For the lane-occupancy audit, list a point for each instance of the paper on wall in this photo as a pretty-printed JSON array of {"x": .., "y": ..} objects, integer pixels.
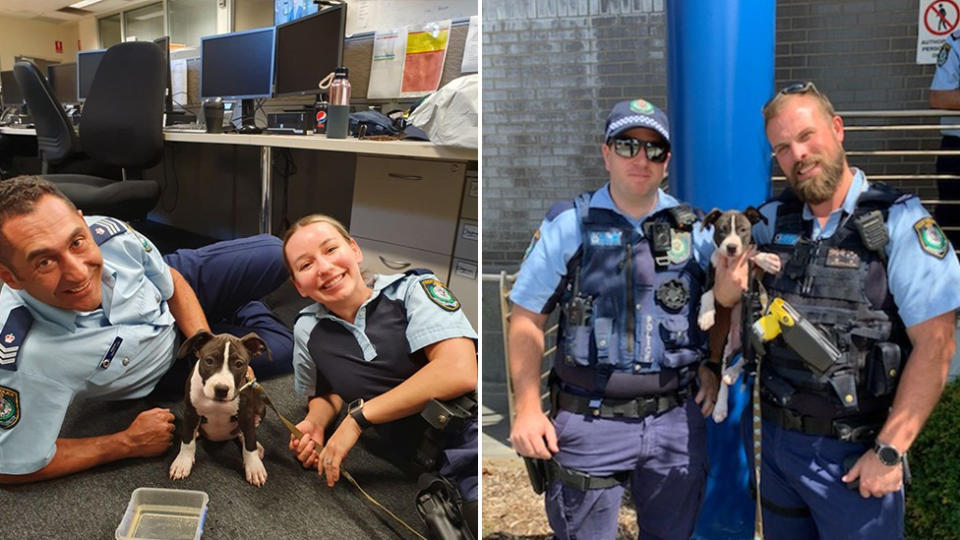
[
  {"x": 178, "y": 81},
  {"x": 426, "y": 51},
  {"x": 471, "y": 48},
  {"x": 386, "y": 68}
]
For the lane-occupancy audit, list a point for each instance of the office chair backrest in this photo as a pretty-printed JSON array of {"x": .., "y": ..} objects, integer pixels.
[
  {"x": 56, "y": 138},
  {"x": 122, "y": 122}
]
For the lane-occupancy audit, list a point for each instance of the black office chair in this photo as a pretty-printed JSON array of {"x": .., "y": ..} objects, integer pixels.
[
  {"x": 121, "y": 125},
  {"x": 56, "y": 139}
]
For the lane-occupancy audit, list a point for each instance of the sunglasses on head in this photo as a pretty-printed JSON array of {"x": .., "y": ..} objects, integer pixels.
[
  {"x": 628, "y": 147},
  {"x": 795, "y": 88}
]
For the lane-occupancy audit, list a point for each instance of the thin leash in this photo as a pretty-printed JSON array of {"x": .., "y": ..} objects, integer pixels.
[{"x": 299, "y": 435}]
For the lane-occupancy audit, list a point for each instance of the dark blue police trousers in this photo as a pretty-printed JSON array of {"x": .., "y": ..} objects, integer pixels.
[
  {"x": 666, "y": 455},
  {"x": 804, "y": 497},
  {"x": 229, "y": 278}
]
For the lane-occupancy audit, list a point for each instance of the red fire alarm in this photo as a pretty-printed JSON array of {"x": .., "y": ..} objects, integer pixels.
[{"x": 58, "y": 45}]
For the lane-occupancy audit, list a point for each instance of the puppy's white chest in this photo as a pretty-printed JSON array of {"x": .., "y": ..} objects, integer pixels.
[{"x": 219, "y": 421}]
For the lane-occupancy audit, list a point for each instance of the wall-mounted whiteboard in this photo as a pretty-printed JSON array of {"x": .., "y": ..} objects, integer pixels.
[{"x": 373, "y": 15}]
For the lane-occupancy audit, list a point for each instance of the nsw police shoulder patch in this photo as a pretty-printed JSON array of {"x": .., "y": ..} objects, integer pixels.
[
  {"x": 440, "y": 295},
  {"x": 943, "y": 54},
  {"x": 931, "y": 237},
  {"x": 9, "y": 407}
]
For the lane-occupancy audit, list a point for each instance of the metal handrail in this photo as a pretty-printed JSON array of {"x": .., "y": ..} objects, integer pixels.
[{"x": 505, "y": 282}]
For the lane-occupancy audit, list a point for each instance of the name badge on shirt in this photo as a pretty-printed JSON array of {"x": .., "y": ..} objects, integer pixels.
[
  {"x": 606, "y": 238},
  {"x": 842, "y": 258},
  {"x": 111, "y": 352},
  {"x": 786, "y": 239}
]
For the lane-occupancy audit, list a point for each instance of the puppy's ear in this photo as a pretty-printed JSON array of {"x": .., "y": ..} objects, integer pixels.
[
  {"x": 194, "y": 344},
  {"x": 755, "y": 216},
  {"x": 710, "y": 218},
  {"x": 256, "y": 346}
]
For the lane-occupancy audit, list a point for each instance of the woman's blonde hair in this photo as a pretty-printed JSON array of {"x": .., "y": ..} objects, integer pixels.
[{"x": 309, "y": 220}]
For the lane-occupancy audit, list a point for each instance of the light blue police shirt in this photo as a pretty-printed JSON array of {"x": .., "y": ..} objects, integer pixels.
[
  {"x": 947, "y": 75},
  {"x": 427, "y": 323},
  {"x": 118, "y": 351},
  {"x": 922, "y": 284},
  {"x": 545, "y": 264}
]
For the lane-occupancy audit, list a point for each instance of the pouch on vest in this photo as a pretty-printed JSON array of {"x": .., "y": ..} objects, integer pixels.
[
  {"x": 675, "y": 334},
  {"x": 605, "y": 340},
  {"x": 883, "y": 369}
]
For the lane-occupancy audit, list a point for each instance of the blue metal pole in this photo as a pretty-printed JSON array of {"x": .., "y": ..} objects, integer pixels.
[
  {"x": 719, "y": 75},
  {"x": 720, "y": 60}
]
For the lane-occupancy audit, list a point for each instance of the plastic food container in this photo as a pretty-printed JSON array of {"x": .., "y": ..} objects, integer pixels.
[{"x": 164, "y": 514}]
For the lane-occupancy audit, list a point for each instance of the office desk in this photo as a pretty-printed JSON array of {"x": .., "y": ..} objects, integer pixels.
[
  {"x": 6, "y": 130},
  {"x": 266, "y": 142},
  {"x": 395, "y": 213}
]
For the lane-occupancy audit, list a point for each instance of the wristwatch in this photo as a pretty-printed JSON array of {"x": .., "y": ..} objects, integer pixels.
[
  {"x": 355, "y": 409},
  {"x": 887, "y": 454}
]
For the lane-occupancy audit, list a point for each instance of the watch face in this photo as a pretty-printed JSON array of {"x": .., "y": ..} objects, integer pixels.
[{"x": 888, "y": 455}]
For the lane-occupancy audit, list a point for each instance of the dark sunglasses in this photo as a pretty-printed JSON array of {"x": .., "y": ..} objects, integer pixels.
[
  {"x": 795, "y": 88},
  {"x": 628, "y": 147}
]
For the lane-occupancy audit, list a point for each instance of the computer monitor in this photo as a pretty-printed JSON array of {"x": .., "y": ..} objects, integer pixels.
[
  {"x": 63, "y": 81},
  {"x": 164, "y": 43},
  {"x": 238, "y": 66},
  {"x": 87, "y": 64},
  {"x": 9, "y": 90},
  {"x": 308, "y": 49}
]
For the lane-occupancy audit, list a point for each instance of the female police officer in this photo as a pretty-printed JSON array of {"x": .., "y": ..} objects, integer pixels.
[{"x": 387, "y": 347}]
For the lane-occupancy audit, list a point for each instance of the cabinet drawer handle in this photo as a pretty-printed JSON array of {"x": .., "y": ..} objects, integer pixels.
[
  {"x": 393, "y": 264},
  {"x": 405, "y": 176}
]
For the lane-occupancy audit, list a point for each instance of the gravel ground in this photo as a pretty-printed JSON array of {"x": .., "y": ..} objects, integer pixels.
[{"x": 512, "y": 511}]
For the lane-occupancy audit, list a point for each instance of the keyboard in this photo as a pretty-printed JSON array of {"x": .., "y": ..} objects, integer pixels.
[{"x": 186, "y": 128}]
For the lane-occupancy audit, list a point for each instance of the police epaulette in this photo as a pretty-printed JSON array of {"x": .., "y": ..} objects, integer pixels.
[
  {"x": 14, "y": 331},
  {"x": 558, "y": 208},
  {"x": 106, "y": 229},
  {"x": 418, "y": 272}
]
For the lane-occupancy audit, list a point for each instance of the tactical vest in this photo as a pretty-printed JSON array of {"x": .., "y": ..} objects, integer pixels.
[
  {"x": 631, "y": 302},
  {"x": 840, "y": 285}
]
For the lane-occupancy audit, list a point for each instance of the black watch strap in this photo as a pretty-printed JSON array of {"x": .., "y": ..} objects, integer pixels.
[{"x": 356, "y": 411}]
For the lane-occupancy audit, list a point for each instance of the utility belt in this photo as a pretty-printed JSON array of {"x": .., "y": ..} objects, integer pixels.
[
  {"x": 639, "y": 407},
  {"x": 544, "y": 471},
  {"x": 848, "y": 428},
  {"x": 443, "y": 418}
]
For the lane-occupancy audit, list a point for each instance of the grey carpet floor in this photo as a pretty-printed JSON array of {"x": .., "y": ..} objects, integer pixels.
[{"x": 294, "y": 503}]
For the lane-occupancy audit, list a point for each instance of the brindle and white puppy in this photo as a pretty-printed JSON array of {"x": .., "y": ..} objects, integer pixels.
[
  {"x": 732, "y": 236},
  {"x": 212, "y": 405}
]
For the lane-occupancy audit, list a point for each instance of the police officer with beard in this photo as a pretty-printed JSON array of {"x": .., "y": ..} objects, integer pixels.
[
  {"x": 873, "y": 272},
  {"x": 625, "y": 265}
]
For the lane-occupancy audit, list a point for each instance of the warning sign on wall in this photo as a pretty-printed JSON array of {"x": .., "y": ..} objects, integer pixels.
[{"x": 938, "y": 18}]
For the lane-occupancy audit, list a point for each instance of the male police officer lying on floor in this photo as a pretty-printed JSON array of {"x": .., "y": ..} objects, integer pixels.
[
  {"x": 873, "y": 273},
  {"x": 88, "y": 311},
  {"x": 626, "y": 266}
]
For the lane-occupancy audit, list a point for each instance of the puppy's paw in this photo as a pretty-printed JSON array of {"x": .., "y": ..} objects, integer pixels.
[
  {"x": 181, "y": 466},
  {"x": 731, "y": 373},
  {"x": 259, "y": 450},
  {"x": 769, "y": 262},
  {"x": 706, "y": 319},
  {"x": 254, "y": 470},
  {"x": 720, "y": 408}
]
